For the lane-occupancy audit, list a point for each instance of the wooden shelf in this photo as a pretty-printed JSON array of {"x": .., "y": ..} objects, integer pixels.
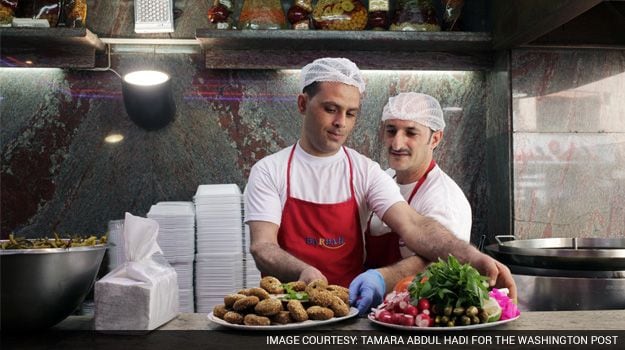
[
  {"x": 290, "y": 49},
  {"x": 49, "y": 47}
]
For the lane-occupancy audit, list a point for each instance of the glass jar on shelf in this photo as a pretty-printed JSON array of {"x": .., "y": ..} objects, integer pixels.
[
  {"x": 378, "y": 15},
  {"x": 339, "y": 15},
  {"x": 415, "y": 15},
  {"x": 299, "y": 14},
  {"x": 7, "y": 11},
  {"x": 219, "y": 14},
  {"x": 262, "y": 14}
]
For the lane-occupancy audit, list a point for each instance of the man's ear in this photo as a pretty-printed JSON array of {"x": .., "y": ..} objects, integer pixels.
[
  {"x": 437, "y": 137},
  {"x": 302, "y": 100}
]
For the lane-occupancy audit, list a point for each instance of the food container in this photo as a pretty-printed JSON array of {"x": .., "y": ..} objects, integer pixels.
[
  {"x": 339, "y": 15},
  {"x": 7, "y": 11},
  {"x": 565, "y": 273},
  {"x": 299, "y": 14},
  {"x": 41, "y": 287},
  {"x": 378, "y": 15},
  {"x": 415, "y": 15},
  {"x": 262, "y": 14}
]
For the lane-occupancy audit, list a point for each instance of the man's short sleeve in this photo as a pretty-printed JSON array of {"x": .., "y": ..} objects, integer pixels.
[{"x": 262, "y": 196}]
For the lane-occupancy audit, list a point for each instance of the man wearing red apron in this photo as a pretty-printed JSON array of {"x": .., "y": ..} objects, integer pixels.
[
  {"x": 413, "y": 128},
  {"x": 333, "y": 231},
  {"x": 385, "y": 249}
]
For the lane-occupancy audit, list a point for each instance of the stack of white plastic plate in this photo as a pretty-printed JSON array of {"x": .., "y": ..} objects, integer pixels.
[
  {"x": 216, "y": 275},
  {"x": 115, "y": 250},
  {"x": 176, "y": 238},
  {"x": 219, "y": 259},
  {"x": 252, "y": 274}
]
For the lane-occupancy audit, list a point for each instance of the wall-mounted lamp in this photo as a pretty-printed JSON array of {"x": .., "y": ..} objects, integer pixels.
[{"x": 148, "y": 98}]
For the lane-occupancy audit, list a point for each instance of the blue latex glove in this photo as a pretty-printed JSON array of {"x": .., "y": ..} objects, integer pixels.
[{"x": 367, "y": 290}]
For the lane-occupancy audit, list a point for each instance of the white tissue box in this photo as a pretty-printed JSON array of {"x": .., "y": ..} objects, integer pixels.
[{"x": 126, "y": 304}]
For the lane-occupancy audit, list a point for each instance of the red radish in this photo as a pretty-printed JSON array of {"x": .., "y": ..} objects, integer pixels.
[
  {"x": 385, "y": 316},
  {"x": 426, "y": 312},
  {"x": 412, "y": 310},
  {"x": 397, "y": 317},
  {"x": 406, "y": 320},
  {"x": 377, "y": 312},
  {"x": 423, "y": 304},
  {"x": 423, "y": 320},
  {"x": 401, "y": 307}
]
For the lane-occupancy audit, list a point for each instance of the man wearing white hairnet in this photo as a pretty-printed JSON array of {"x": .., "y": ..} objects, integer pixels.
[
  {"x": 306, "y": 205},
  {"x": 413, "y": 128}
]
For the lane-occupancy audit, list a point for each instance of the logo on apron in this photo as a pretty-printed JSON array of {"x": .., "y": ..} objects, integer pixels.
[{"x": 331, "y": 243}]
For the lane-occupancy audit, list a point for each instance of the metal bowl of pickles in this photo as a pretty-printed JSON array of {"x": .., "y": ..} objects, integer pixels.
[{"x": 44, "y": 280}]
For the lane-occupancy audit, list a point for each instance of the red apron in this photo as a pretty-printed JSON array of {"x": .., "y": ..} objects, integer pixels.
[
  {"x": 326, "y": 236},
  {"x": 383, "y": 250}
]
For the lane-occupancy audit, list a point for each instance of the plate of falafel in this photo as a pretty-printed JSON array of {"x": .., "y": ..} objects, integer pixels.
[{"x": 277, "y": 305}]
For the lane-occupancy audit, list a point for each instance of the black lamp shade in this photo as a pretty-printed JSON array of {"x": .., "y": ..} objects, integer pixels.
[{"x": 149, "y": 103}]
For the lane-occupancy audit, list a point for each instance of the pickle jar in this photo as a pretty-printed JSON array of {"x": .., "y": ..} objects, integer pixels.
[
  {"x": 415, "y": 15},
  {"x": 262, "y": 14}
]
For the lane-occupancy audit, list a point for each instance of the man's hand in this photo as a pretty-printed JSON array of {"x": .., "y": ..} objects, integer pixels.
[
  {"x": 498, "y": 273},
  {"x": 310, "y": 274},
  {"x": 367, "y": 289}
]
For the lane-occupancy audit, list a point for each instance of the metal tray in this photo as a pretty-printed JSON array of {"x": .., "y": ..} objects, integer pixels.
[{"x": 607, "y": 254}]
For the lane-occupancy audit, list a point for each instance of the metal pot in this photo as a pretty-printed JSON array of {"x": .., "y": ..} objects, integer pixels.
[
  {"x": 41, "y": 287},
  {"x": 565, "y": 273}
]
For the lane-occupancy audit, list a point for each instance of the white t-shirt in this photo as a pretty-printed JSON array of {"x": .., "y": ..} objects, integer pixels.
[
  {"x": 440, "y": 198},
  {"x": 319, "y": 180}
]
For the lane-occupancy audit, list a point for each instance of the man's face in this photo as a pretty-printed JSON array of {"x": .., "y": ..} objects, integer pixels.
[
  {"x": 329, "y": 117},
  {"x": 409, "y": 144}
]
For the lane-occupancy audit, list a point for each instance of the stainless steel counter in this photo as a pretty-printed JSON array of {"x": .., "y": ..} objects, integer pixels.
[{"x": 604, "y": 320}]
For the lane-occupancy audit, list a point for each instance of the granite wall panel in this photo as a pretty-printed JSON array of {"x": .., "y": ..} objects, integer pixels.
[
  {"x": 58, "y": 174},
  {"x": 568, "y": 143}
]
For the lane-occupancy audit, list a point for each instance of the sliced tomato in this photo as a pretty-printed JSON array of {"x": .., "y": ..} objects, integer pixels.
[{"x": 403, "y": 284}]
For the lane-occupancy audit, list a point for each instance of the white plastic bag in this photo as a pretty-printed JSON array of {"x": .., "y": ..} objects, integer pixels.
[{"x": 142, "y": 293}]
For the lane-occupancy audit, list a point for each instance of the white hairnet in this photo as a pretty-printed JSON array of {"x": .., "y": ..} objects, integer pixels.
[
  {"x": 339, "y": 70},
  {"x": 421, "y": 108}
]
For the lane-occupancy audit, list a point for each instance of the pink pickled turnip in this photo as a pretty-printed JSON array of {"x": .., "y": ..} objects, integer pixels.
[{"x": 508, "y": 307}]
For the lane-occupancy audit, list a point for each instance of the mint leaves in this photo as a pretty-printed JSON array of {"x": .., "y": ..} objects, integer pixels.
[{"x": 450, "y": 283}]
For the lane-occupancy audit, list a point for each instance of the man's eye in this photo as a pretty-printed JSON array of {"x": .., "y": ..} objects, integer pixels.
[
  {"x": 352, "y": 114},
  {"x": 331, "y": 110},
  {"x": 391, "y": 132}
]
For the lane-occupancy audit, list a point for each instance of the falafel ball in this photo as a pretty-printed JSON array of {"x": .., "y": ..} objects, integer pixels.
[
  {"x": 268, "y": 307},
  {"x": 316, "y": 286},
  {"x": 230, "y": 299},
  {"x": 219, "y": 311},
  {"x": 255, "y": 320},
  {"x": 297, "y": 286},
  {"x": 259, "y": 292},
  {"x": 233, "y": 317},
  {"x": 282, "y": 317},
  {"x": 245, "y": 303},
  {"x": 316, "y": 312},
  {"x": 272, "y": 285},
  {"x": 297, "y": 310},
  {"x": 322, "y": 298}
]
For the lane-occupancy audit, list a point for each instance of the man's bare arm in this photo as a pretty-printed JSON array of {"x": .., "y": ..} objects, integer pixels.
[
  {"x": 275, "y": 261},
  {"x": 406, "y": 267}
]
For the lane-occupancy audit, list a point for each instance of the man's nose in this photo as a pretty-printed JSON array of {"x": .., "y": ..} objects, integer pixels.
[
  {"x": 339, "y": 120},
  {"x": 398, "y": 141}
]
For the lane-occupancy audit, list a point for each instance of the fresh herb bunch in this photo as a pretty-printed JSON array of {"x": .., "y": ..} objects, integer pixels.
[
  {"x": 450, "y": 283},
  {"x": 293, "y": 295}
]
